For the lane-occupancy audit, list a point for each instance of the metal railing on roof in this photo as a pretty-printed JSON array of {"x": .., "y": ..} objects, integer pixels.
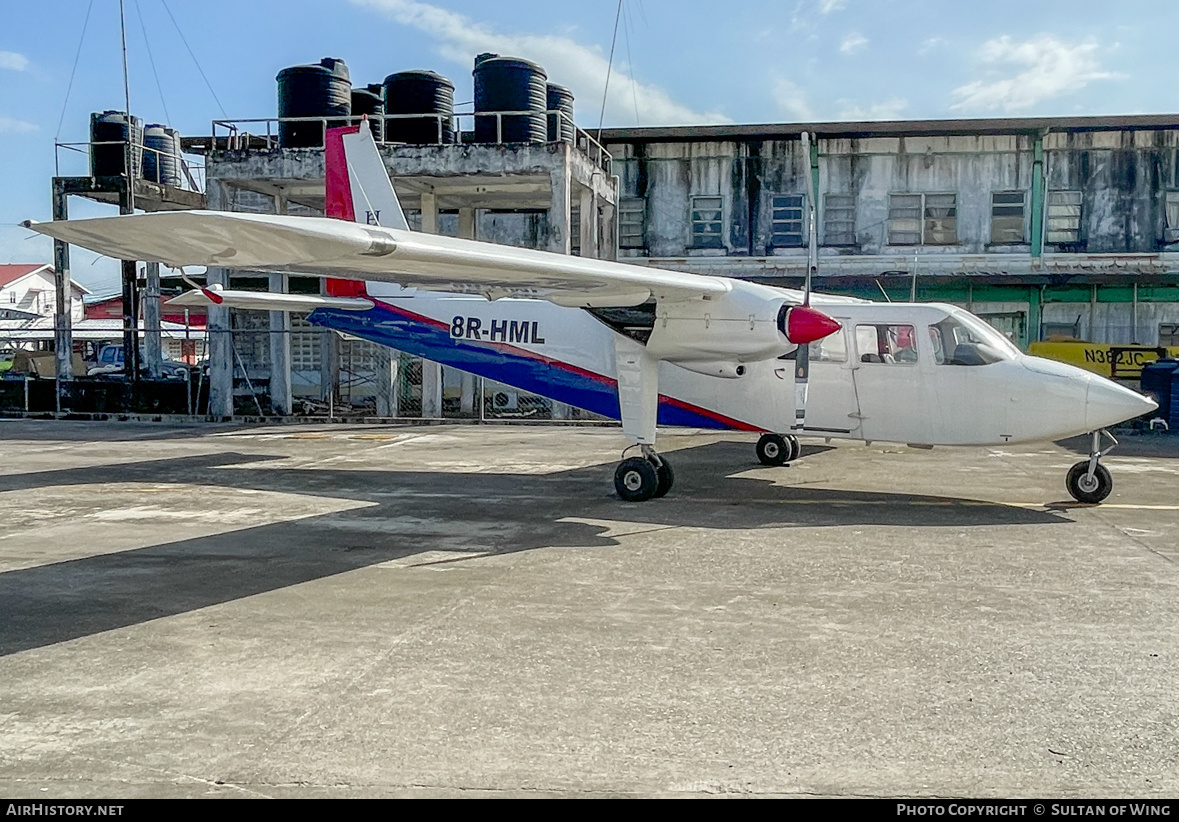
[
  {"x": 240, "y": 134},
  {"x": 194, "y": 172}
]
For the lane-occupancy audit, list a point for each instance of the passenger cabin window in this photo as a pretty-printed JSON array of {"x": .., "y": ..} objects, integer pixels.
[
  {"x": 956, "y": 341},
  {"x": 886, "y": 344}
]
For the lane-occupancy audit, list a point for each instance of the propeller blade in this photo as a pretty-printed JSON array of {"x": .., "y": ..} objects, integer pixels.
[{"x": 802, "y": 368}]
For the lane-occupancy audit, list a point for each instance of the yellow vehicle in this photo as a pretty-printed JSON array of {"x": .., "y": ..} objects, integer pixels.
[{"x": 1119, "y": 362}]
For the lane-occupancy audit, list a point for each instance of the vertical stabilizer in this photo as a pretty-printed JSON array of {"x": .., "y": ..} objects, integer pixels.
[{"x": 358, "y": 187}]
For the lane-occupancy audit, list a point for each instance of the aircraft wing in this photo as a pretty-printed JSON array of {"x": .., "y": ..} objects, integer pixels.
[{"x": 327, "y": 247}]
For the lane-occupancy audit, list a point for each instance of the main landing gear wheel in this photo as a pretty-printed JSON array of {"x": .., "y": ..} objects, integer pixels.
[
  {"x": 1089, "y": 481},
  {"x": 1086, "y": 487},
  {"x": 775, "y": 449},
  {"x": 638, "y": 479},
  {"x": 666, "y": 478}
]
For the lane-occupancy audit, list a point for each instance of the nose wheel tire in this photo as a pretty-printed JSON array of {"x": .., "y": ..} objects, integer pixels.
[
  {"x": 775, "y": 449},
  {"x": 1087, "y": 488}
]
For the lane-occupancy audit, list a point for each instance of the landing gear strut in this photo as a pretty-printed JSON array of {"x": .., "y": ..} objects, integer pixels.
[
  {"x": 638, "y": 479},
  {"x": 1089, "y": 481},
  {"x": 776, "y": 449}
]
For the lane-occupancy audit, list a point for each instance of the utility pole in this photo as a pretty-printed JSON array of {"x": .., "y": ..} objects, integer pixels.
[{"x": 127, "y": 206}]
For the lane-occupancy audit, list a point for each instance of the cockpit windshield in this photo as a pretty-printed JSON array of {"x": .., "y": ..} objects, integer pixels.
[{"x": 961, "y": 339}]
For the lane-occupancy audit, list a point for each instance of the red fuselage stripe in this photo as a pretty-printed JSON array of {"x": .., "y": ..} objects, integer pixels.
[{"x": 573, "y": 369}]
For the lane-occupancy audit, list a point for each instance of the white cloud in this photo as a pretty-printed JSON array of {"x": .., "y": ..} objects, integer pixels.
[
  {"x": 890, "y": 109},
  {"x": 582, "y": 68},
  {"x": 791, "y": 101},
  {"x": 14, "y": 61},
  {"x": 930, "y": 44},
  {"x": 828, "y": 6},
  {"x": 1045, "y": 67},
  {"x": 853, "y": 43},
  {"x": 13, "y": 125}
]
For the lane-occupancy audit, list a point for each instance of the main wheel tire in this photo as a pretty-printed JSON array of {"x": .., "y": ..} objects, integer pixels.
[
  {"x": 1084, "y": 488},
  {"x": 795, "y": 448},
  {"x": 636, "y": 479},
  {"x": 773, "y": 449},
  {"x": 666, "y": 478}
]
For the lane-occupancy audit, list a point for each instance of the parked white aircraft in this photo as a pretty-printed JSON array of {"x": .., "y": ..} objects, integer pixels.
[{"x": 640, "y": 344}]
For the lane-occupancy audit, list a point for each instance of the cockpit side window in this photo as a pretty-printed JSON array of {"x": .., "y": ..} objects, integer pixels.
[
  {"x": 832, "y": 348},
  {"x": 956, "y": 343},
  {"x": 886, "y": 344}
]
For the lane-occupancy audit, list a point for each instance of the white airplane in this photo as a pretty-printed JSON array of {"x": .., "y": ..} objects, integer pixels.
[{"x": 643, "y": 345}]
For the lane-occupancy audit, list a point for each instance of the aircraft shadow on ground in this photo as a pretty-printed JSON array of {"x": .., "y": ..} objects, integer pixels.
[{"x": 410, "y": 513}]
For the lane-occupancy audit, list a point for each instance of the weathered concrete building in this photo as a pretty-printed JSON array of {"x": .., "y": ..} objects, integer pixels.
[{"x": 1047, "y": 227}]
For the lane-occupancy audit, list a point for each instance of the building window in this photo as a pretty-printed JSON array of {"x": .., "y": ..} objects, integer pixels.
[
  {"x": 1171, "y": 234},
  {"x": 786, "y": 221},
  {"x": 1169, "y": 334},
  {"x": 1064, "y": 217},
  {"x": 839, "y": 219},
  {"x": 632, "y": 215},
  {"x": 1007, "y": 217},
  {"x": 575, "y": 229},
  {"x": 707, "y": 219},
  {"x": 922, "y": 219}
]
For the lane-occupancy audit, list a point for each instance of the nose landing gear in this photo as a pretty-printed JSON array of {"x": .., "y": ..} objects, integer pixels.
[
  {"x": 638, "y": 479},
  {"x": 1089, "y": 481},
  {"x": 776, "y": 449}
]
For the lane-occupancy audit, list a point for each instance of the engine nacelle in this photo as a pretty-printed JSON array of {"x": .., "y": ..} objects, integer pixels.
[{"x": 745, "y": 325}]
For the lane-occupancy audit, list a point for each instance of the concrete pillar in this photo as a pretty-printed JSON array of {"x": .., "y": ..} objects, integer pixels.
[
  {"x": 559, "y": 208},
  {"x": 281, "y": 399},
  {"x": 153, "y": 353},
  {"x": 588, "y": 212},
  {"x": 63, "y": 335},
  {"x": 470, "y": 387},
  {"x": 466, "y": 229},
  {"x": 431, "y": 389},
  {"x": 220, "y": 351},
  {"x": 431, "y": 371},
  {"x": 429, "y": 213},
  {"x": 386, "y": 378},
  {"x": 220, "y": 345}
]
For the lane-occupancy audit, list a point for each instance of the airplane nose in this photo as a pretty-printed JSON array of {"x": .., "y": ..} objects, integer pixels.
[{"x": 1107, "y": 403}]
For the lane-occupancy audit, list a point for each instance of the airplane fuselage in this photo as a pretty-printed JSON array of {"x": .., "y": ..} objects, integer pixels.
[{"x": 908, "y": 373}]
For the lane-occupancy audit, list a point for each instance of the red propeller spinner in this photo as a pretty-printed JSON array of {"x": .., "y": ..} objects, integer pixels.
[{"x": 804, "y": 325}]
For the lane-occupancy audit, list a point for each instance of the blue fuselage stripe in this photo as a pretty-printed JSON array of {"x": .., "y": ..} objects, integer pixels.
[{"x": 414, "y": 334}]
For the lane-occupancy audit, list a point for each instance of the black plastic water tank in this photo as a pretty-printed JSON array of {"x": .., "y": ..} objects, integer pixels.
[
  {"x": 1160, "y": 380},
  {"x": 369, "y": 100},
  {"x": 419, "y": 92},
  {"x": 111, "y": 160},
  {"x": 560, "y": 125},
  {"x": 322, "y": 89},
  {"x": 510, "y": 84},
  {"x": 161, "y": 154}
]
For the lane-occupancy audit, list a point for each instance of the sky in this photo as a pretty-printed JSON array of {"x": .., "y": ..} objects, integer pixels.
[{"x": 678, "y": 62}]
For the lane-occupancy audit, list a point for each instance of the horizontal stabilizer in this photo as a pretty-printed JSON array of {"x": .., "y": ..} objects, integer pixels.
[{"x": 265, "y": 301}]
